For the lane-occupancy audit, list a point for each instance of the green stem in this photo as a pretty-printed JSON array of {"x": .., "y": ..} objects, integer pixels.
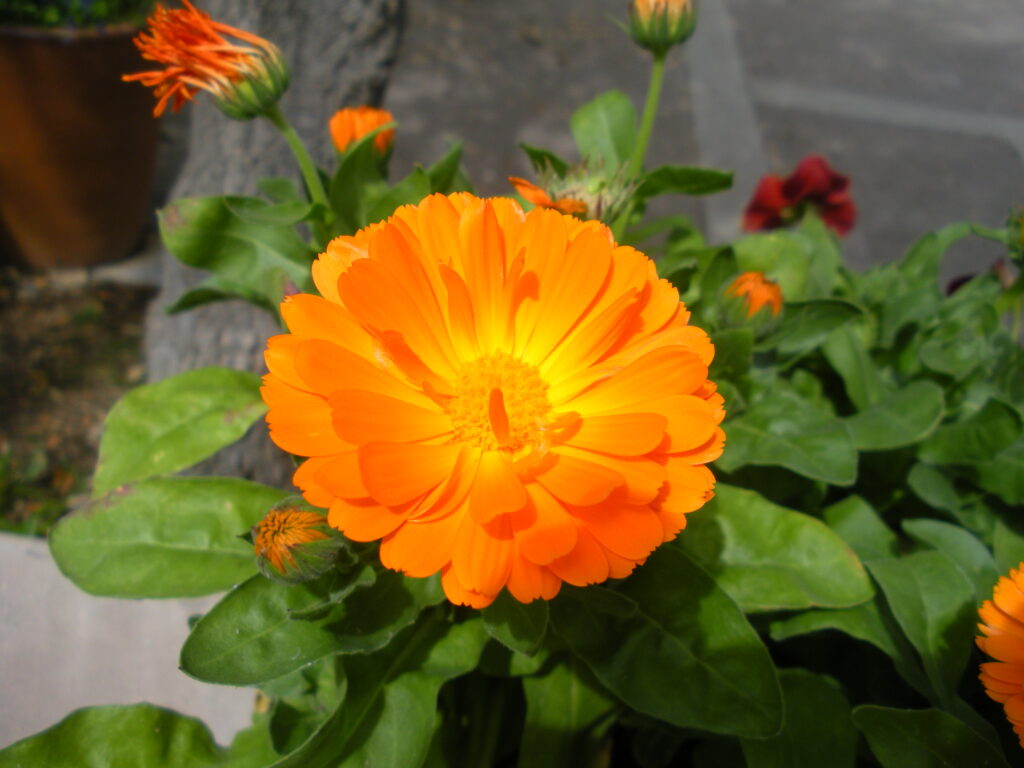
[
  {"x": 636, "y": 165},
  {"x": 310, "y": 174}
]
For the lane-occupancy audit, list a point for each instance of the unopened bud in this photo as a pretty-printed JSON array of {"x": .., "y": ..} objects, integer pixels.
[
  {"x": 658, "y": 25},
  {"x": 294, "y": 543}
]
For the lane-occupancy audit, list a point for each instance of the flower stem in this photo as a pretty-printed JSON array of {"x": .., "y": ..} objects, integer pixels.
[
  {"x": 310, "y": 175},
  {"x": 636, "y": 165}
]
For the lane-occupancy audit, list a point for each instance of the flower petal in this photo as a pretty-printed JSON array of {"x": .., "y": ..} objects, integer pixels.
[{"x": 398, "y": 472}]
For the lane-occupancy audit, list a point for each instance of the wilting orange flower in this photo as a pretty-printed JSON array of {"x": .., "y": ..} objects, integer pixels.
[
  {"x": 351, "y": 124},
  {"x": 1003, "y": 628},
  {"x": 244, "y": 72},
  {"x": 758, "y": 291},
  {"x": 534, "y": 194},
  {"x": 510, "y": 399},
  {"x": 276, "y": 536}
]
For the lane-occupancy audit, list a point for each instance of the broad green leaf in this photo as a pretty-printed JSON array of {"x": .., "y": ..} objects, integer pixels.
[
  {"x": 387, "y": 718},
  {"x": 163, "y": 537},
  {"x": 960, "y": 546},
  {"x": 715, "y": 274},
  {"x": 826, "y": 260},
  {"x": 215, "y": 289},
  {"x": 871, "y": 623},
  {"x": 210, "y": 233},
  {"x": 542, "y": 160},
  {"x": 807, "y": 324},
  {"x": 934, "y": 488},
  {"x": 279, "y": 189},
  {"x": 518, "y": 626},
  {"x": 960, "y": 346},
  {"x": 445, "y": 176},
  {"x": 683, "y": 180},
  {"x": 921, "y": 264},
  {"x": 769, "y": 558},
  {"x": 902, "y": 308},
  {"x": 565, "y": 712},
  {"x": 733, "y": 353},
  {"x": 923, "y": 738},
  {"x": 161, "y": 428},
  {"x": 253, "y": 634},
  {"x": 287, "y": 213},
  {"x": 605, "y": 129},
  {"x": 684, "y": 634},
  {"x": 783, "y": 257},
  {"x": 933, "y": 601},
  {"x": 978, "y": 438},
  {"x": 1008, "y": 543},
  {"x": 859, "y": 525},
  {"x": 776, "y": 432},
  {"x": 359, "y": 178},
  {"x": 847, "y": 353},
  {"x": 134, "y": 736},
  {"x": 411, "y": 189},
  {"x": 818, "y": 731},
  {"x": 901, "y": 418},
  {"x": 1003, "y": 475}
]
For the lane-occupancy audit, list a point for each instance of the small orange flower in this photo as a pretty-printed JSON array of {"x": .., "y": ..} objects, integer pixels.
[
  {"x": 245, "y": 73},
  {"x": 658, "y": 25},
  {"x": 1003, "y": 627},
  {"x": 758, "y": 291},
  {"x": 277, "y": 536},
  {"x": 508, "y": 398},
  {"x": 534, "y": 194},
  {"x": 351, "y": 124}
]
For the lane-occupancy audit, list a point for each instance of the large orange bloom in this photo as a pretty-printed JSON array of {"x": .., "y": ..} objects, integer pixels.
[
  {"x": 351, "y": 124},
  {"x": 757, "y": 291},
  {"x": 1003, "y": 628},
  {"x": 198, "y": 53},
  {"x": 510, "y": 399}
]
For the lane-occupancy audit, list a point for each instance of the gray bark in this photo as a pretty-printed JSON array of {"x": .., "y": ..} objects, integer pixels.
[{"x": 340, "y": 53}]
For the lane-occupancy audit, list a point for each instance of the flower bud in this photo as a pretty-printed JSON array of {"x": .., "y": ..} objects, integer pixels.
[
  {"x": 657, "y": 25},
  {"x": 294, "y": 543},
  {"x": 351, "y": 124},
  {"x": 583, "y": 190},
  {"x": 751, "y": 293}
]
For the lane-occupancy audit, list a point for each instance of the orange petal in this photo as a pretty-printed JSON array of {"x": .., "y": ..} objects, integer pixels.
[
  {"x": 496, "y": 490},
  {"x": 398, "y": 472},
  {"x": 341, "y": 476},
  {"x": 364, "y": 417},
  {"x": 631, "y": 532},
  {"x": 363, "y": 520},
  {"x": 687, "y": 488},
  {"x": 642, "y": 477},
  {"x": 306, "y": 429},
  {"x": 1008, "y": 596},
  {"x": 316, "y": 318},
  {"x": 305, "y": 480},
  {"x": 527, "y": 582},
  {"x": 421, "y": 548},
  {"x": 586, "y": 564},
  {"x": 622, "y": 434},
  {"x": 577, "y": 481},
  {"x": 483, "y": 555},
  {"x": 460, "y": 595},
  {"x": 544, "y": 530},
  {"x": 325, "y": 368},
  {"x": 1005, "y": 648}
]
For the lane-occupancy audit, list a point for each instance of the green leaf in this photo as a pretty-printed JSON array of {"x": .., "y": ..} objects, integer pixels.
[
  {"x": 921, "y": 264},
  {"x": 163, "y": 537},
  {"x": 387, "y": 717},
  {"x": 411, "y": 189},
  {"x": 805, "y": 325},
  {"x": 769, "y": 558},
  {"x": 960, "y": 546},
  {"x": 222, "y": 235},
  {"x": 1008, "y": 544},
  {"x": 287, "y": 213},
  {"x": 359, "y": 178},
  {"x": 734, "y": 348},
  {"x": 783, "y": 256},
  {"x": 777, "y": 432},
  {"x": 1004, "y": 474},
  {"x": 859, "y": 525},
  {"x": 933, "y": 601},
  {"x": 253, "y": 635},
  {"x": 899, "y": 419},
  {"x": 683, "y": 180},
  {"x": 134, "y": 736},
  {"x": 161, "y": 428},
  {"x": 978, "y": 438},
  {"x": 923, "y": 738},
  {"x": 279, "y": 189},
  {"x": 518, "y": 626},
  {"x": 543, "y": 161},
  {"x": 818, "y": 731},
  {"x": 215, "y": 289},
  {"x": 565, "y": 710},
  {"x": 605, "y": 129},
  {"x": 934, "y": 488},
  {"x": 692, "y": 638},
  {"x": 847, "y": 353},
  {"x": 445, "y": 174}
]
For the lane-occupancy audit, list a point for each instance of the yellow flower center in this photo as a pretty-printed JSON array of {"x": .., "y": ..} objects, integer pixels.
[{"x": 499, "y": 403}]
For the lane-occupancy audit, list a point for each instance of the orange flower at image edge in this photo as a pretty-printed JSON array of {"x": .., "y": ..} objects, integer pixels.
[
  {"x": 198, "y": 53},
  {"x": 534, "y": 194},
  {"x": 351, "y": 124},
  {"x": 1003, "y": 628},
  {"x": 510, "y": 399},
  {"x": 758, "y": 291}
]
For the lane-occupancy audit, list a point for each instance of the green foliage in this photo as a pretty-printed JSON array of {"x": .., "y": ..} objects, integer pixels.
[
  {"x": 605, "y": 130},
  {"x": 73, "y": 13}
]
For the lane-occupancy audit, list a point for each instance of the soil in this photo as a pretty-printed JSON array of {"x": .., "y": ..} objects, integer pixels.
[{"x": 66, "y": 356}]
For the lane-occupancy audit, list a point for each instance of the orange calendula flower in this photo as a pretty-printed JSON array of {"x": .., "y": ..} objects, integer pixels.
[
  {"x": 758, "y": 291},
  {"x": 657, "y": 25},
  {"x": 534, "y": 194},
  {"x": 351, "y": 124},
  {"x": 1002, "y": 625},
  {"x": 507, "y": 398},
  {"x": 243, "y": 72},
  {"x": 281, "y": 541}
]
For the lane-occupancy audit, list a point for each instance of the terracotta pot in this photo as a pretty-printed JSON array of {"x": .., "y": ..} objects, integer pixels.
[{"x": 77, "y": 146}]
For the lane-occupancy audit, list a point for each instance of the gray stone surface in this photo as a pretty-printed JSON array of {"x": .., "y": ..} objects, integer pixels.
[{"x": 61, "y": 649}]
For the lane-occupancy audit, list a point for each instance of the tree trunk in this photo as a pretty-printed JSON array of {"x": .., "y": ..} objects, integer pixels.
[{"x": 340, "y": 53}]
